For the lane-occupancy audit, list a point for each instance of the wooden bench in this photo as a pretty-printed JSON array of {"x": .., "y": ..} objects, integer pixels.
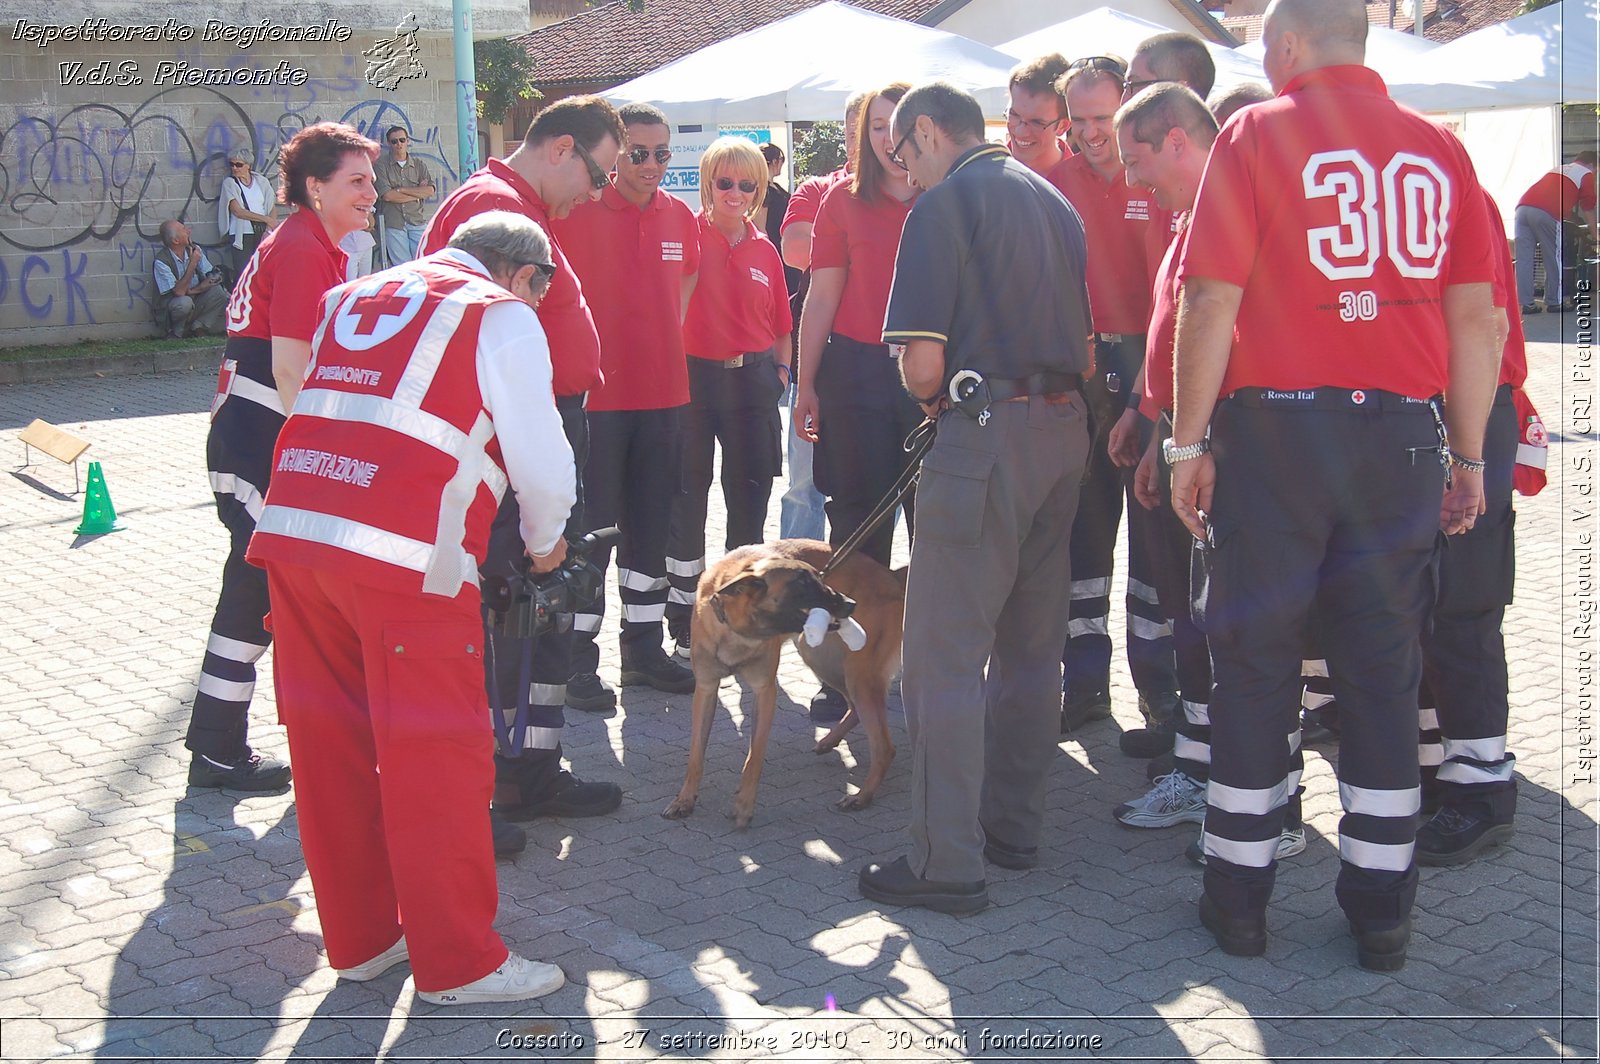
[{"x": 62, "y": 446}]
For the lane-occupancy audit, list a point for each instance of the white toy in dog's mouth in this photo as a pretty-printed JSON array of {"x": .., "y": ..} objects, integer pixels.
[{"x": 819, "y": 620}]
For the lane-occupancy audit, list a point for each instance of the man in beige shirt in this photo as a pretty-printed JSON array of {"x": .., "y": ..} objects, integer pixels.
[{"x": 404, "y": 187}]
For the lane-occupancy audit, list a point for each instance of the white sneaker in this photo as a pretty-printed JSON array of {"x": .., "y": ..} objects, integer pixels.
[
  {"x": 361, "y": 973},
  {"x": 1174, "y": 799},
  {"x": 516, "y": 980}
]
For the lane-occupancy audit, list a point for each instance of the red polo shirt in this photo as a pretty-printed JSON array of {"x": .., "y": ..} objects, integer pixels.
[
  {"x": 1343, "y": 216},
  {"x": 1163, "y": 331},
  {"x": 1116, "y": 221},
  {"x": 1558, "y": 191},
  {"x": 806, "y": 200},
  {"x": 739, "y": 302},
  {"x": 1514, "y": 358},
  {"x": 280, "y": 291},
  {"x": 632, "y": 263},
  {"x": 574, "y": 343},
  {"x": 862, "y": 237}
]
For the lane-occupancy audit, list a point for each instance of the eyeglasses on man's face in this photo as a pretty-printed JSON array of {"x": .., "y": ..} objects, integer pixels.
[
  {"x": 1039, "y": 125},
  {"x": 597, "y": 176},
  {"x": 638, "y": 156},
  {"x": 399, "y": 140},
  {"x": 726, "y": 184},
  {"x": 546, "y": 269},
  {"x": 895, "y": 155},
  {"x": 1130, "y": 86}
]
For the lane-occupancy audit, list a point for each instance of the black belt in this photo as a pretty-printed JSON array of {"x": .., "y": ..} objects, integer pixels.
[
  {"x": 1345, "y": 399},
  {"x": 749, "y": 358},
  {"x": 1038, "y": 384}
]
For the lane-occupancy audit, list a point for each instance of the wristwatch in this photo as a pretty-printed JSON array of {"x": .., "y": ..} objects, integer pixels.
[{"x": 1175, "y": 454}]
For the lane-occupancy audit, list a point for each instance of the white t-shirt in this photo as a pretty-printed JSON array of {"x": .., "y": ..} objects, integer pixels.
[{"x": 252, "y": 197}]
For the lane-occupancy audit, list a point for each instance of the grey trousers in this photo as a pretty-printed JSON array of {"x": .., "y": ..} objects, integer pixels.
[{"x": 985, "y": 623}]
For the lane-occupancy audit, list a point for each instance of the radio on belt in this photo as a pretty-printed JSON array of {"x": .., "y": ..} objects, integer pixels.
[{"x": 969, "y": 393}]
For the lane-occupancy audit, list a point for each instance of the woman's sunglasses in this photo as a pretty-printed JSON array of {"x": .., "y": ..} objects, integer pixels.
[{"x": 725, "y": 184}]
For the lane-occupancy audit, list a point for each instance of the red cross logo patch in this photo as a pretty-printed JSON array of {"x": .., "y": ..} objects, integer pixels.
[{"x": 377, "y": 311}]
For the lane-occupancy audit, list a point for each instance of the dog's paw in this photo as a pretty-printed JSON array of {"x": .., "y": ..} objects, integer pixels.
[
  {"x": 851, "y": 803},
  {"x": 680, "y": 808},
  {"x": 742, "y": 815}
]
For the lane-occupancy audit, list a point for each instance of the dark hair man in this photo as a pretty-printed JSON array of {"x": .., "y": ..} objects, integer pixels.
[
  {"x": 190, "y": 300},
  {"x": 404, "y": 188},
  {"x": 563, "y": 161},
  {"x": 1175, "y": 56},
  {"x": 371, "y": 549},
  {"x": 1003, "y": 298},
  {"x": 1312, "y": 338},
  {"x": 1128, "y": 233},
  {"x": 1036, "y": 115},
  {"x": 636, "y": 252}
]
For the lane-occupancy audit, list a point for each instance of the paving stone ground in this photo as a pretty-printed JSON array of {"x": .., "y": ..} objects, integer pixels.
[{"x": 143, "y": 920}]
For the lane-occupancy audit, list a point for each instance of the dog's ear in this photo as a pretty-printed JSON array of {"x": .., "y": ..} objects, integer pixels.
[{"x": 747, "y": 584}]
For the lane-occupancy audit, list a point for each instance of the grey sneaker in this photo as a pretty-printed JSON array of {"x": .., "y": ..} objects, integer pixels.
[
  {"x": 1174, "y": 799},
  {"x": 518, "y": 979},
  {"x": 1291, "y": 842}
]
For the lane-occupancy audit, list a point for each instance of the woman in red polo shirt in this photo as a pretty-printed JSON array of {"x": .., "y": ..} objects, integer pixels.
[
  {"x": 850, "y": 402},
  {"x": 326, "y": 172},
  {"x": 737, "y": 336}
]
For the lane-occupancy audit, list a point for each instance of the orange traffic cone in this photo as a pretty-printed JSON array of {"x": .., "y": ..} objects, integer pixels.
[{"x": 99, "y": 516}]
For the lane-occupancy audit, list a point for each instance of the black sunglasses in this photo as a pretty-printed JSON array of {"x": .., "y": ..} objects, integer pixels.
[
  {"x": 894, "y": 152},
  {"x": 1040, "y": 124},
  {"x": 725, "y": 184},
  {"x": 398, "y": 140},
  {"x": 597, "y": 176},
  {"x": 235, "y": 166},
  {"x": 1130, "y": 85},
  {"x": 1109, "y": 64},
  {"x": 637, "y": 156},
  {"x": 547, "y": 269}
]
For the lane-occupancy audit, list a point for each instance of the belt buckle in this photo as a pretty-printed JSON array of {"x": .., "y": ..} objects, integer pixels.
[
  {"x": 733, "y": 363},
  {"x": 1109, "y": 338}
]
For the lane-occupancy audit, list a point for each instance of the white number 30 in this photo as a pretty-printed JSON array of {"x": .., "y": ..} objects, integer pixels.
[{"x": 1405, "y": 215}]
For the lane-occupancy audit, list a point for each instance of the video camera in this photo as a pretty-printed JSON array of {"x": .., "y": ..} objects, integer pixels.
[{"x": 529, "y": 604}]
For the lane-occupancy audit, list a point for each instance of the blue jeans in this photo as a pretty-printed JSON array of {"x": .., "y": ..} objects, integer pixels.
[
  {"x": 801, "y": 514},
  {"x": 402, "y": 243},
  {"x": 1536, "y": 228}
]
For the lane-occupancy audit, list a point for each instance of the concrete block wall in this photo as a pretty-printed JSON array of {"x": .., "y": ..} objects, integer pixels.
[{"x": 88, "y": 172}]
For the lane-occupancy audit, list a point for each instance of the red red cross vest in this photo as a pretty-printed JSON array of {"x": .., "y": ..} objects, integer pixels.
[{"x": 388, "y": 466}]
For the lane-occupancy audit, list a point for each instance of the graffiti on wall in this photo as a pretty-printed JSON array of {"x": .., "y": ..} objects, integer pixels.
[{"x": 84, "y": 190}]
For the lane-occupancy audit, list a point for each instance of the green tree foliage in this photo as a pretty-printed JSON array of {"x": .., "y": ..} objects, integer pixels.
[
  {"x": 504, "y": 72},
  {"x": 818, "y": 149}
]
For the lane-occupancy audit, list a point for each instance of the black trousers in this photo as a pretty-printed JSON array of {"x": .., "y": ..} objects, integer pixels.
[
  {"x": 866, "y": 417},
  {"x": 1339, "y": 508},
  {"x": 631, "y": 480},
  {"x": 1464, "y": 690},
  {"x": 239, "y": 464},
  {"x": 1086, "y": 658},
  {"x": 739, "y": 409},
  {"x": 540, "y": 739},
  {"x": 1171, "y": 547}
]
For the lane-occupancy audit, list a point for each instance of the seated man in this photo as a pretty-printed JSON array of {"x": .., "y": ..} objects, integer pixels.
[{"x": 190, "y": 298}]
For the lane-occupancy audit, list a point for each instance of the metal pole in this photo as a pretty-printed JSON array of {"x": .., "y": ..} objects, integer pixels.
[
  {"x": 1416, "y": 18},
  {"x": 466, "y": 87}
]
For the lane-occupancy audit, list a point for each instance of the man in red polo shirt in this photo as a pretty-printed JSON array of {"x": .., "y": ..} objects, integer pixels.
[
  {"x": 1037, "y": 116},
  {"x": 636, "y": 252},
  {"x": 1118, "y": 220},
  {"x": 1335, "y": 281},
  {"x": 562, "y": 162},
  {"x": 1540, "y": 214}
]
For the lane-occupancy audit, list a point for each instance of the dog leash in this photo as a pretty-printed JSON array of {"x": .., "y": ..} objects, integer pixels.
[{"x": 916, "y": 445}]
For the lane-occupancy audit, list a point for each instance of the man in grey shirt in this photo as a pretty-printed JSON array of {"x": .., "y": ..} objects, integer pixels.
[
  {"x": 190, "y": 299},
  {"x": 404, "y": 188}
]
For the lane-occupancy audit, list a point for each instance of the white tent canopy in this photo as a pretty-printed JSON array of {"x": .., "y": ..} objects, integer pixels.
[
  {"x": 1106, "y": 30},
  {"x": 802, "y": 69},
  {"x": 1546, "y": 57},
  {"x": 1393, "y": 54}
]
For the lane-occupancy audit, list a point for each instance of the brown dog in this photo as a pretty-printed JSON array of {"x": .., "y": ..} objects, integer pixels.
[{"x": 752, "y": 602}]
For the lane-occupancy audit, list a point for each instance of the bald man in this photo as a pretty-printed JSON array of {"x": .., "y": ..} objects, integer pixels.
[{"x": 1336, "y": 282}]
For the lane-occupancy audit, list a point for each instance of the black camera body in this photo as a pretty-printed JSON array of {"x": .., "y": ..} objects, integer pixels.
[{"x": 530, "y": 604}]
